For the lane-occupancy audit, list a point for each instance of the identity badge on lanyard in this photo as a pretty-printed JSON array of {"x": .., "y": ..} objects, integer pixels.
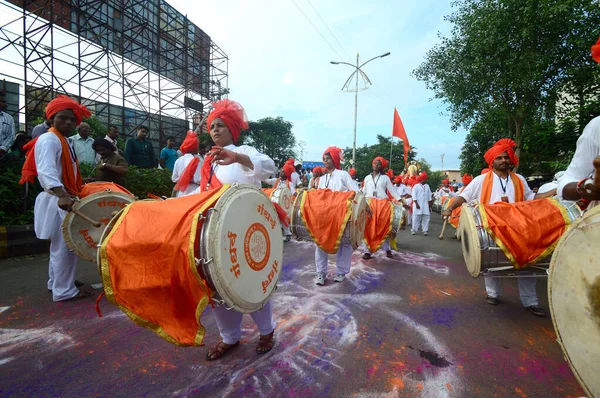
[
  {"x": 375, "y": 183},
  {"x": 504, "y": 197}
]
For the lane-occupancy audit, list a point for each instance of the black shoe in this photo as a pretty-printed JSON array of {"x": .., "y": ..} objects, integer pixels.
[
  {"x": 536, "y": 310},
  {"x": 491, "y": 300},
  {"x": 366, "y": 256},
  {"x": 287, "y": 238},
  {"x": 78, "y": 283},
  {"x": 389, "y": 254}
]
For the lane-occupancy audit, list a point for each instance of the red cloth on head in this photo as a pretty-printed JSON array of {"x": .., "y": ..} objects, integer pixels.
[
  {"x": 336, "y": 155},
  {"x": 422, "y": 177},
  {"x": 398, "y": 180},
  {"x": 390, "y": 174},
  {"x": 232, "y": 114},
  {"x": 317, "y": 171},
  {"x": 446, "y": 181},
  {"x": 288, "y": 170},
  {"x": 596, "y": 51},
  {"x": 466, "y": 179},
  {"x": 352, "y": 172},
  {"x": 290, "y": 161},
  {"x": 412, "y": 180},
  {"x": 62, "y": 102},
  {"x": 190, "y": 144},
  {"x": 384, "y": 163},
  {"x": 503, "y": 145}
]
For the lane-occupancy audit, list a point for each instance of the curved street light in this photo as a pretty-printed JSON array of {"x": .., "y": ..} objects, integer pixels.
[{"x": 346, "y": 87}]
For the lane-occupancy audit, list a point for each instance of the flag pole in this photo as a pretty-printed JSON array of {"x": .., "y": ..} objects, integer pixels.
[{"x": 392, "y": 142}]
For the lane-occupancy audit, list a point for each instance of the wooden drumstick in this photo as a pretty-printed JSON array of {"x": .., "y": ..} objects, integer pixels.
[
  {"x": 96, "y": 224},
  {"x": 443, "y": 228},
  {"x": 597, "y": 172}
]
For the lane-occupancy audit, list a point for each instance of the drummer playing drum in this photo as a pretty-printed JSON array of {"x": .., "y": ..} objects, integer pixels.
[
  {"x": 502, "y": 185},
  {"x": 228, "y": 164}
]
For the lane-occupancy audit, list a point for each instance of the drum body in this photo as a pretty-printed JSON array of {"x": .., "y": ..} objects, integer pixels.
[
  {"x": 355, "y": 227},
  {"x": 574, "y": 297},
  {"x": 479, "y": 249},
  {"x": 84, "y": 238},
  {"x": 283, "y": 197},
  {"x": 400, "y": 217},
  {"x": 240, "y": 248}
]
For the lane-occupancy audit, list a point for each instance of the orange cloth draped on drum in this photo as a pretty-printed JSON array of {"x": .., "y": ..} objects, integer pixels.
[
  {"x": 325, "y": 214},
  {"x": 150, "y": 273},
  {"x": 269, "y": 192},
  {"x": 525, "y": 231},
  {"x": 101, "y": 186},
  {"x": 379, "y": 225},
  {"x": 455, "y": 216},
  {"x": 488, "y": 183}
]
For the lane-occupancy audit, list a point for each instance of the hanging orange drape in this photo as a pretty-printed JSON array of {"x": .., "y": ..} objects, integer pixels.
[
  {"x": 325, "y": 214},
  {"x": 269, "y": 192},
  {"x": 148, "y": 268},
  {"x": 379, "y": 225},
  {"x": 525, "y": 231},
  {"x": 101, "y": 186}
]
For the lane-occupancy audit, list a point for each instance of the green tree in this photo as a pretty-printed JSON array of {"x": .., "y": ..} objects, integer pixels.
[
  {"x": 512, "y": 58},
  {"x": 366, "y": 154},
  {"x": 273, "y": 137}
]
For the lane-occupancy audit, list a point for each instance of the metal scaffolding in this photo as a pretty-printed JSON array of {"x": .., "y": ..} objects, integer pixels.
[{"x": 132, "y": 62}]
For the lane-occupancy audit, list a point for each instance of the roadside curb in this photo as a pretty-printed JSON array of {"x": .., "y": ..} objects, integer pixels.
[{"x": 19, "y": 240}]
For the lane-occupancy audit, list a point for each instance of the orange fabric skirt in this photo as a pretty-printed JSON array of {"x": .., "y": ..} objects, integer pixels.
[
  {"x": 101, "y": 186},
  {"x": 325, "y": 214},
  {"x": 379, "y": 225},
  {"x": 525, "y": 231},
  {"x": 148, "y": 268}
]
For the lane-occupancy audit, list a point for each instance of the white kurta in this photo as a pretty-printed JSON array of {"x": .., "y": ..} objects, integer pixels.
[
  {"x": 296, "y": 180},
  {"x": 473, "y": 190},
  {"x": 279, "y": 183},
  {"x": 441, "y": 192},
  {"x": 377, "y": 187},
  {"x": 339, "y": 180},
  {"x": 421, "y": 193},
  {"x": 588, "y": 148},
  {"x": 180, "y": 165},
  {"x": 48, "y": 217}
]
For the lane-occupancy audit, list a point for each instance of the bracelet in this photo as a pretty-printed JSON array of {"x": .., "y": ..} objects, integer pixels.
[{"x": 581, "y": 187}]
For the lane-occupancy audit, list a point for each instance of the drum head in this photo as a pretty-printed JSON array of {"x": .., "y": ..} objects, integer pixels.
[
  {"x": 471, "y": 246},
  {"x": 283, "y": 197},
  {"x": 574, "y": 296},
  {"x": 244, "y": 247},
  {"x": 81, "y": 236},
  {"x": 296, "y": 222},
  {"x": 358, "y": 220}
]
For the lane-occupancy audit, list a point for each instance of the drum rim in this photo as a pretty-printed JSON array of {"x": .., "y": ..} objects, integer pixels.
[
  {"x": 575, "y": 225},
  {"x": 66, "y": 232},
  {"x": 225, "y": 292},
  {"x": 107, "y": 230},
  {"x": 286, "y": 192},
  {"x": 356, "y": 234},
  {"x": 474, "y": 241}
]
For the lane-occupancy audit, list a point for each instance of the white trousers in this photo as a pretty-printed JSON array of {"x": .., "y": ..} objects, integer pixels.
[
  {"x": 417, "y": 219},
  {"x": 527, "y": 291},
  {"x": 343, "y": 258},
  {"x": 385, "y": 246},
  {"x": 286, "y": 230},
  {"x": 61, "y": 268},
  {"x": 229, "y": 322}
]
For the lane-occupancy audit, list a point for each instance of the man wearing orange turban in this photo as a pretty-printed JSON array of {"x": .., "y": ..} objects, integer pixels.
[
  {"x": 186, "y": 171},
  {"x": 500, "y": 184},
  {"x": 52, "y": 159}
]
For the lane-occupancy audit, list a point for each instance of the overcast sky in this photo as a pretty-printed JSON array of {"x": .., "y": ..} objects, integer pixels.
[{"x": 279, "y": 66}]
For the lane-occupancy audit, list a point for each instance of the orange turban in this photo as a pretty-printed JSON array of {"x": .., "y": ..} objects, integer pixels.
[
  {"x": 503, "y": 145},
  {"x": 446, "y": 181},
  {"x": 398, "y": 180},
  {"x": 466, "y": 179},
  {"x": 384, "y": 163},
  {"x": 422, "y": 177},
  {"x": 63, "y": 102},
  {"x": 232, "y": 114},
  {"x": 412, "y": 180},
  {"x": 288, "y": 169},
  {"x": 390, "y": 174},
  {"x": 190, "y": 144},
  {"x": 596, "y": 51},
  {"x": 336, "y": 155},
  {"x": 352, "y": 172},
  {"x": 317, "y": 171}
]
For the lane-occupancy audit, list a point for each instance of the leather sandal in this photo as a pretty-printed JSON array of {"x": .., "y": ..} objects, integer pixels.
[
  {"x": 220, "y": 350},
  {"x": 366, "y": 256},
  {"x": 389, "y": 254},
  {"x": 265, "y": 343}
]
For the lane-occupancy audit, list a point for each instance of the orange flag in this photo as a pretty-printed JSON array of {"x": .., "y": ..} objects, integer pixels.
[{"x": 398, "y": 131}]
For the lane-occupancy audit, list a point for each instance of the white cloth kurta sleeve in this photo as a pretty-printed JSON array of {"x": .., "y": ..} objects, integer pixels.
[
  {"x": 263, "y": 165},
  {"x": 391, "y": 188},
  {"x": 272, "y": 181},
  {"x": 588, "y": 148},
  {"x": 527, "y": 192},
  {"x": 349, "y": 182},
  {"x": 47, "y": 161},
  {"x": 473, "y": 190}
]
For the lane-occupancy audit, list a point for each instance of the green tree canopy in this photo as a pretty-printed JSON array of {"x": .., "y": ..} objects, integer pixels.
[{"x": 273, "y": 137}]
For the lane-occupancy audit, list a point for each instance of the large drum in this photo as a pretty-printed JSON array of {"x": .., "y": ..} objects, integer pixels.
[
  {"x": 236, "y": 243},
  {"x": 283, "y": 197},
  {"x": 479, "y": 249},
  {"x": 574, "y": 296},
  {"x": 82, "y": 235},
  {"x": 400, "y": 218},
  {"x": 355, "y": 226}
]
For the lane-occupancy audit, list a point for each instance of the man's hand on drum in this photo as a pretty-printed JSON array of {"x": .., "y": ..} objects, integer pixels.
[
  {"x": 590, "y": 191},
  {"x": 446, "y": 213},
  {"x": 65, "y": 203}
]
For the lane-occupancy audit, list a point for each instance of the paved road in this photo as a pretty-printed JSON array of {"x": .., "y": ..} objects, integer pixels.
[{"x": 414, "y": 325}]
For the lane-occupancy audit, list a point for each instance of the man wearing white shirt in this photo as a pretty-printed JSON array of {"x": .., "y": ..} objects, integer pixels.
[
  {"x": 336, "y": 179},
  {"x": 421, "y": 195},
  {"x": 377, "y": 185},
  {"x": 500, "y": 157},
  {"x": 82, "y": 142},
  {"x": 7, "y": 127}
]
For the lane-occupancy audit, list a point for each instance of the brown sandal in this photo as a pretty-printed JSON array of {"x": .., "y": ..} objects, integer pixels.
[
  {"x": 389, "y": 254},
  {"x": 220, "y": 350},
  {"x": 265, "y": 343}
]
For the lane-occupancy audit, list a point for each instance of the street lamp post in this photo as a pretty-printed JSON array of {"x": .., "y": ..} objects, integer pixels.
[
  {"x": 442, "y": 163},
  {"x": 346, "y": 87}
]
